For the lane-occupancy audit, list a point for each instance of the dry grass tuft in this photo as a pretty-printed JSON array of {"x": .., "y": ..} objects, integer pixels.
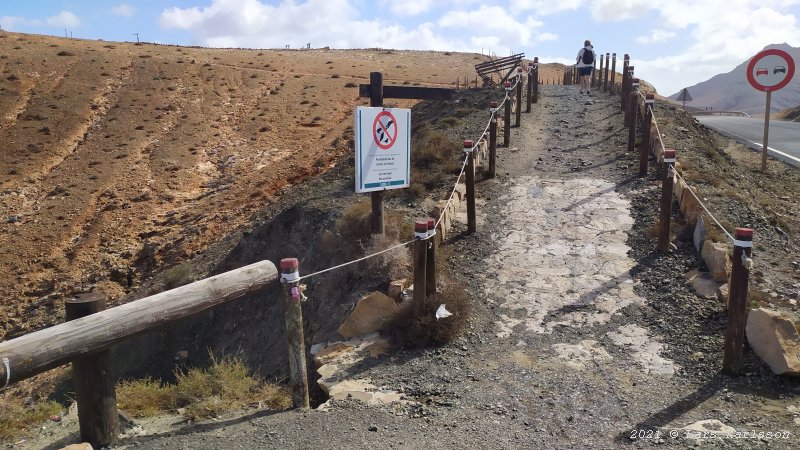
[
  {"x": 427, "y": 330},
  {"x": 202, "y": 393},
  {"x": 16, "y": 418},
  {"x": 395, "y": 263}
]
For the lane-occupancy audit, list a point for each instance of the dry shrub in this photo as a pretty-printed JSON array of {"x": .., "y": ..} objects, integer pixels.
[
  {"x": 65, "y": 53},
  {"x": 202, "y": 393},
  {"x": 395, "y": 263},
  {"x": 355, "y": 223},
  {"x": 433, "y": 147},
  {"x": 146, "y": 397},
  {"x": 427, "y": 330},
  {"x": 16, "y": 418}
]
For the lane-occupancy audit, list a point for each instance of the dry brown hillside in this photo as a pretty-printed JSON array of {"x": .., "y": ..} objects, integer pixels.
[{"x": 119, "y": 158}]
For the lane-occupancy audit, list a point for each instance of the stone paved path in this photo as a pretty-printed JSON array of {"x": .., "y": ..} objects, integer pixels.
[{"x": 561, "y": 249}]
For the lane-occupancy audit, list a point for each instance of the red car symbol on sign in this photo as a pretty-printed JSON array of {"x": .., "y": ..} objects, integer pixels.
[{"x": 762, "y": 71}]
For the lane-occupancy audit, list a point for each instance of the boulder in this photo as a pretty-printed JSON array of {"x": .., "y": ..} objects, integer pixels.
[
  {"x": 715, "y": 255},
  {"x": 370, "y": 314},
  {"x": 689, "y": 205},
  {"x": 699, "y": 234},
  {"x": 396, "y": 288},
  {"x": 775, "y": 340},
  {"x": 461, "y": 192},
  {"x": 724, "y": 293},
  {"x": 677, "y": 190},
  {"x": 703, "y": 283},
  {"x": 81, "y": 446}
]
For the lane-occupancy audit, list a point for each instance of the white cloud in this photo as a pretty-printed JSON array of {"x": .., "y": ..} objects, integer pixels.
[
  {"x": 545, "y": 7},
  {"x": 657, "y": 35},
  {"x": 63, "y": 19},
  {"x": 123, "y": 10},
  {"x": 617, "y": 10},
  {"x": 10, "y": 23},
  {"x": 409, "y": 7},
  {"x": 724, "y": 33}
]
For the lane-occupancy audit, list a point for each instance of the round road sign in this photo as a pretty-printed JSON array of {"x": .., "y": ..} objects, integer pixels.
[
  {"x": 384, "y": 130},
  {"x": 770, "y": 70}
]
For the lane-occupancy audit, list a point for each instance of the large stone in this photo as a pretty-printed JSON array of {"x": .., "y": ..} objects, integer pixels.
[
  {"x": 699, "y": 234},
  {"x": 715, "y": 254},
  {"x": 677, "y": 190},
  {"x": 689, "y": 205},
  {"x": 703, "y": 283},
  {"x": 370, "y": 314},
  {"x": 461, "y": 192},
  {"x": 396, "y": 288},
  {"x": 81, "y": 446},
  {"x": 775, "y": 340}
]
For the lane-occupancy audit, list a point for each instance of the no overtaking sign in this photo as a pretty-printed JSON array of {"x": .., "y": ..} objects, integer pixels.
[{"x": 383, "y": 148}]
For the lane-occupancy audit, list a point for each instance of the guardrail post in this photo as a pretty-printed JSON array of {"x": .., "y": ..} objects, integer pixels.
[
  {"x": 613, "y": 90},
  {"x": 666, "y": 201},
  {"x": 298, "y": 371},
  {"x": 430, "y": 267},
  {"x": 737, "y": 301},
  {"x": 605, "y": 74},
  {"x": 647, "y": 125},
  {"x": 597, "y": 79},
  {"x": 507, "y": 116},
  {"x": 420, "y": 265},
  {"x": 519, "y": 97},
  {"x": 625, "y": 82},
  {"x": 633, "y": 112},
  {"x": 628, "y": 90},
  {"x": 536, "y": 79},
  {"x": 376, "y": 99},
  {"x": 529, "y": 92},
  {"x": 472, "y": 222},
  {"x": 94, "y": 383},
  {"x": 493, "y": 140}
]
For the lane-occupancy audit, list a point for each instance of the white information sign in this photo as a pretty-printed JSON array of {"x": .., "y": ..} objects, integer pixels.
[{"x": 383, "y": 148}]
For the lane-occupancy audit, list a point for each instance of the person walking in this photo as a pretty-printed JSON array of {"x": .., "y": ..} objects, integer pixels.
[{"x": 585, "y": 65}]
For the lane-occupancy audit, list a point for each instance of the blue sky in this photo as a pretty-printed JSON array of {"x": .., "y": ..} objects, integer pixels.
[{"x": 672, "y": 43}]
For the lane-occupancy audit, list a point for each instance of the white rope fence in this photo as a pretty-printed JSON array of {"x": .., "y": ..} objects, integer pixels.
[{"x": 702, "y": 205}]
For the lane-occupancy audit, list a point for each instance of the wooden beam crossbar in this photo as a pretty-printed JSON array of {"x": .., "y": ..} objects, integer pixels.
[{"x": 409, "y": 92}]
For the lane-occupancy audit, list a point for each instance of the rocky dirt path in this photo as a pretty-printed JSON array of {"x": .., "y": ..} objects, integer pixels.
[{"x": 583, "y": 336}]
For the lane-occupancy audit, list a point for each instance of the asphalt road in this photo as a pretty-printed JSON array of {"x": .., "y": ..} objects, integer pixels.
[{"x": 783, "y": 136}]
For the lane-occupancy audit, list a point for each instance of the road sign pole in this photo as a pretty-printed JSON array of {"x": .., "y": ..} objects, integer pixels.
[
  {"x": 766, "y": 133},
  {"x": 376, "y": 99}
]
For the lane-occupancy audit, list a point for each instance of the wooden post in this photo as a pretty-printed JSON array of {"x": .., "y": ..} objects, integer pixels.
[
  {"x": 430, "y": 267},
  {"x": 633, "y": 109},
  {"x": 647, "y": 125},
  {"x": 493, "y": 140},
  {"x": 766, "y": 134},
  {"x": 507, "y": 116},
  {"x": 625, "y": 82},
  {"x": 613, "y": 73},
  {"x": 94, "y": 383},
  {"x": 605, "y": 74},
  {"x": 472, "y": 223},
  {"x": 737, "y": 301},
  {"x": 298, "y": 371},
  {"x": 628, "y": 89},
  {"x": 536, "y": 79},
  {"x": 420, "y": 266},
  {"x": 519, "y": 98},
  {"x": 666, "y": 201},
  {"x": 376, "y": 99},
  {"x": 595, "y": 84},
  {"x": 529, "y": 92}
]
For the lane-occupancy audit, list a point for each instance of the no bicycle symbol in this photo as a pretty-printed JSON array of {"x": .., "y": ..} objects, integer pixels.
[{"x": 384, "y": 130}]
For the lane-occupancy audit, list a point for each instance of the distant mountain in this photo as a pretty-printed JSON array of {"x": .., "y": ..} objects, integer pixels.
[{"x": 731, "y": 91}]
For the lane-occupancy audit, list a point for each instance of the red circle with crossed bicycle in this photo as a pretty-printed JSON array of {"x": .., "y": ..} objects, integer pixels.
[{"x": 384, "y": 130}]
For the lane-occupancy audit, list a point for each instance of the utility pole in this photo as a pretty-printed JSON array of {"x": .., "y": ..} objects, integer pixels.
[{"x": 137, "y": 37}]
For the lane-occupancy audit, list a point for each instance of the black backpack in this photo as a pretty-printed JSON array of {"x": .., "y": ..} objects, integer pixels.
[{"x": 588, "y": 56}]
